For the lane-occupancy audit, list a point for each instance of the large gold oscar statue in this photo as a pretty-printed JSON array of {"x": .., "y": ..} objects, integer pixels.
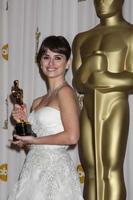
[{"x": 103, "y": 72}]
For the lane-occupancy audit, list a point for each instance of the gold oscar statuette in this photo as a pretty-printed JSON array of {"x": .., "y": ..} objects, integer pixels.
[{"x": 21, "y": 128}]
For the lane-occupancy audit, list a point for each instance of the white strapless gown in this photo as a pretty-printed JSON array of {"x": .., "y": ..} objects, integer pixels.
[{"x": 48, "y": 172}]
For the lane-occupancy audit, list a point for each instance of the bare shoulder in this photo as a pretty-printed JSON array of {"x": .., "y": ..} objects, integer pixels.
[
  {"x": 36, "y": 102},
  {"x": 67, "y": 96},
  {"x": 65, "y": 91}
]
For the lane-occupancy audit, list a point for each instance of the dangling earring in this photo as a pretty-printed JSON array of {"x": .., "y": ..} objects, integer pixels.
[
  {"x": 68, "y": 64},
  {"x": 67, "y": 67}
]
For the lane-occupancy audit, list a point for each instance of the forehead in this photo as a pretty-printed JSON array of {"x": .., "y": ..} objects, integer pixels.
[
  {"x": 53, "y": 53},
  {"x": 108, "y": 1},
  {"x": 108, "y": 4}
]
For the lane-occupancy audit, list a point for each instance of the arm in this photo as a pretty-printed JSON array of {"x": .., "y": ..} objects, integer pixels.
[
  {"x": 70, "y": 119},
  {"x": 105, "y": 81}
]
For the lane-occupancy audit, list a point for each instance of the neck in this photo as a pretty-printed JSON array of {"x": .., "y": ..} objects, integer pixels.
[
  {"x": 113, "y": 20},
  {"x": 54, "y": 85}
]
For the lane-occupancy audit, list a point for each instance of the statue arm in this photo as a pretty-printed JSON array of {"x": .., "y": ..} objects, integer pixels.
[{"x": 106, "y": 81}]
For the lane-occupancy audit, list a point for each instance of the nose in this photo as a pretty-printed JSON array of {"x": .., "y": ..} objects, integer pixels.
[{"x": 51, "y": 62}]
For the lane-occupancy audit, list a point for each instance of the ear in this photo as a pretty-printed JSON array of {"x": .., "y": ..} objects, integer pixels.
[{"x": 69, "y": 62}]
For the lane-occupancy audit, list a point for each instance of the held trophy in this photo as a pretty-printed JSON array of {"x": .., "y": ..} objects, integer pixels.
[{"x": 21, "y": 128}]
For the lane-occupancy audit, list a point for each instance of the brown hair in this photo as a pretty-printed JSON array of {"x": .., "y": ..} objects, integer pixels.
[{"x": 57, "y": 44}]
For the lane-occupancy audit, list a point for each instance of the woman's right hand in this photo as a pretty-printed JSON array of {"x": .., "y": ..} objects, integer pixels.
[{"x": 19, "y": 113}]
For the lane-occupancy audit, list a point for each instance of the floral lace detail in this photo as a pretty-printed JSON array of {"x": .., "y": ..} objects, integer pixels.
[{"x": 52, "y": 173}]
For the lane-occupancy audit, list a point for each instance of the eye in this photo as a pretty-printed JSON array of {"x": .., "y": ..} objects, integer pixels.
[
  {"x": 58, "y": 58},
  {"x": 45, "y": 57}
]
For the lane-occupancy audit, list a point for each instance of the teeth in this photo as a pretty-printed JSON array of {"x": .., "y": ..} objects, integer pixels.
[{"x": 51, "y": 70}]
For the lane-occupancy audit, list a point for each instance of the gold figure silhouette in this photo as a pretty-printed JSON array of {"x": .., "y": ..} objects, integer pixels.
[
  {"x": 17, "y": 93},
  {"x": 103, "y": 72},
  {"x": 22, "y": 128}
]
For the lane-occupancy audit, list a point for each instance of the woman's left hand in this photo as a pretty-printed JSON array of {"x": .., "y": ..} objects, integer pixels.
[{"x": 23, "y": 140}]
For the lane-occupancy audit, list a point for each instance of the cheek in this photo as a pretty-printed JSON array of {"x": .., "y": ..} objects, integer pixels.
[
  {"x": 43, "y": 65},
  {"x": 63, "y": 67},
  {"x": 42, "y": 62}
]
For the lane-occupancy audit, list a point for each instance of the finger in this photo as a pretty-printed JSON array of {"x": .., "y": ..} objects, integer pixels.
[
  {"x": 15, "y": 142},
  {"x": 23, "y": 106},
  {"x": 16, "y": 118},
  {"x": 18, "y": 143},
  {"x": 17, "y": 106},
  {"x": 18, "y": 137}
]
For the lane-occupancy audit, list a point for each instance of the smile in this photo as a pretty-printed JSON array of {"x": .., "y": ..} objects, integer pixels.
[{"x": 51, "y": 69}]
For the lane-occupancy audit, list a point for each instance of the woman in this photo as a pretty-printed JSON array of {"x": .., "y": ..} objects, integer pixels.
[{"x": 48, "y": 172}]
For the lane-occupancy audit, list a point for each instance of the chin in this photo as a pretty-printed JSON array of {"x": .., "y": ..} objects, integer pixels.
[
  {"x": 105, "y": 14},
  {"x": 53, "y": 76}
]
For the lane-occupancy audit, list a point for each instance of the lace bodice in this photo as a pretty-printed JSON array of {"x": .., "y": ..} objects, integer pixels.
[{"x": 46, "y": 121}]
